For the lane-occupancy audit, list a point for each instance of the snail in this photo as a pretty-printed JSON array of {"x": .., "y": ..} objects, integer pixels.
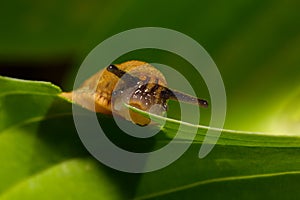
[{"x": 142, "y": 85}]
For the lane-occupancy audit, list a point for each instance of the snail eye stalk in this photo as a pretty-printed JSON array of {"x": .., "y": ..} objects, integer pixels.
[
  {"x": 128, "y": 78},
  {"x": 179, "y": 96},
  {"x": 115, "y": 70}
]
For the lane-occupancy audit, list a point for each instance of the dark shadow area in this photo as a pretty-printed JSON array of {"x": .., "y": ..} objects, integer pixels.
[
  {"x": 49, "y": 69},
  {"x": 126, "y": 141}
]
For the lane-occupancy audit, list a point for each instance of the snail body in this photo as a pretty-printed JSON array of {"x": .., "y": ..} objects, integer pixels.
[{"x": 147, "y": 85}]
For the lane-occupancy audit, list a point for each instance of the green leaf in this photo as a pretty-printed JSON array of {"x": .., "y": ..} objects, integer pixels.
[
  {"x": 42, "y": 157},
  {"x": 70, "y": 179},
  {"x": 228, "y": 172},
  {"x": 20, "y": 96},
  {"x": 40, "y": 149},
  {"x": 228, "y": 137}
]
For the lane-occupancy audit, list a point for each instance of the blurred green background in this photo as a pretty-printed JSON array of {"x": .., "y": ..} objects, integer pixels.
[{"x": 255, "y": 44}]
